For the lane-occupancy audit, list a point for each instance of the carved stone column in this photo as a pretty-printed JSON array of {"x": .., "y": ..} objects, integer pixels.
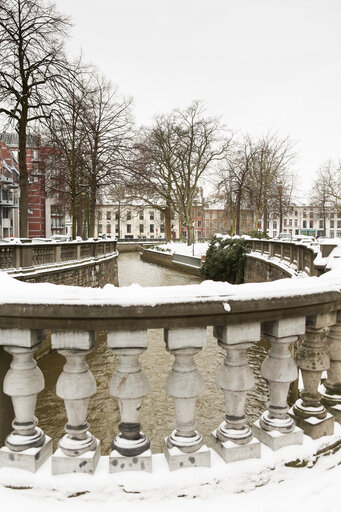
[
  {"x": 130, "y": 448},
  {"x": 233, "y": 438},
  {"x": 22, "y": 383},
  {"x": 331, "y": 388},
  {"x": 276, "y": 428},
  {"x": 184, "y": 447},
  {"x": 79, "y": 450},
  {"x": 312, "y": 358}
]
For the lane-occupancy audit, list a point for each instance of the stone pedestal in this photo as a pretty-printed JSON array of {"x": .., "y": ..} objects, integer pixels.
[
  {"x": 30, "y": 459},
  {"x": 275, "y": 439},
  {"x": 85, "y": 463},
  {"x": 331, "y": 388},
  {"x": 232, "y": 452},
  {"x": 177, "y": 459},
  {"x": 312, "y": 425},
  {"x": 142, "y": 462}
]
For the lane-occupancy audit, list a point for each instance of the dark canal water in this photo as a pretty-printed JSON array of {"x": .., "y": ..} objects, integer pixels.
[{"x": 157, "y": 414}]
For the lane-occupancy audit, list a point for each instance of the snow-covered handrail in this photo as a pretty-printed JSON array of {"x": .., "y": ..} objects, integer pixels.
[{"x": 281, "y": 311}]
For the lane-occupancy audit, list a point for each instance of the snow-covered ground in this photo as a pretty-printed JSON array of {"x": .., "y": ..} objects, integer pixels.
[
  {"x": 200, "y": 248},
  {"x": 264, "y": 484}
]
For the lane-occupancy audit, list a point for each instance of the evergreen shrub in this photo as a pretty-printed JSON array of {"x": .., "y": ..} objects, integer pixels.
[{"x": 225, "y": 260}]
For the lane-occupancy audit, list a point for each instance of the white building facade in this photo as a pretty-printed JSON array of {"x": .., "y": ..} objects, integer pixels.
[
  {"x": 131, "y": 221},
  {"x": 307, "y": 220}
]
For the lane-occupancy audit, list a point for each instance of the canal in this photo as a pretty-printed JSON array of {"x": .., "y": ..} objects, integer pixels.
[{"x": 157, "y": 413}]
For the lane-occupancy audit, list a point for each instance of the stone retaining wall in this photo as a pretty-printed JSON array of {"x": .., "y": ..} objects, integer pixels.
[
  {"x": 165, "y": 259},
  {"x": 259, "y": 271}
]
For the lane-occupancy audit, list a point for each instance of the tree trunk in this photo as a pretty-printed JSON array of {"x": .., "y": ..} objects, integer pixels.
[
  {"x": 238, "y": 201},
  {"x": 168, "y": 226},
  {"x": 23, "y": 178},
  {"x": 92, "y": 210}
]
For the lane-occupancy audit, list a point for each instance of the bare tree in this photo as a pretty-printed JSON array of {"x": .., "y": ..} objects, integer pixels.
[
  {"x": 175, "y": 153},
  {"x": 326, "y": 190},
  {"x": 31, "y": 42},
  {"x": 108, "y": 130},
  {"x": 271, "y": 156}
]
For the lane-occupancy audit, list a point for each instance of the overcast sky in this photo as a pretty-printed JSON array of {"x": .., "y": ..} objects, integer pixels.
[{"x": 259, "y": 64}]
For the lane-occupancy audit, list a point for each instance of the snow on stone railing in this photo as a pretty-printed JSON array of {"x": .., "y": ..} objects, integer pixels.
[
  {"x": 30, "y": 255},
  {"x": 282, "y": 311}
]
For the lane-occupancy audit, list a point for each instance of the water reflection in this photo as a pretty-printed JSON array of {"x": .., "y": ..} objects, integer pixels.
[{"x": 157, "y": 413}]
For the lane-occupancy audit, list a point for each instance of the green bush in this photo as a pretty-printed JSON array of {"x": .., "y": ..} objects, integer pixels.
[{"x": 225, "y": 260}]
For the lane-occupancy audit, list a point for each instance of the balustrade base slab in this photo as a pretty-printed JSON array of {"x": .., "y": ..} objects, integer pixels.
[
  {"x": 118, "y": 462},
  {"x": 177, "y": 459},
  {"x": 232, "y": 452},
  {"x": 31, "y": 459},
  {"x": 314, "y": 427},
  {"x": 85, "y": 463},
  {"x": 276, "y": 440},
  {"x": 335, "y": 411}
]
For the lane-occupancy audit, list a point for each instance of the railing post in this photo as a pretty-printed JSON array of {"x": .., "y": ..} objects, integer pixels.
[
  {"x": 78, "y": 451},
  {"x": 233, "y": 438},
  {"x": 312, "y": 358},
  {"x": 129, "y": 384},
  {"x": 275, "y": 427},
  {"x": 27, "y": 447},
  {"x": 331, "y": 388},
  {"x": 184, "y": 447}
]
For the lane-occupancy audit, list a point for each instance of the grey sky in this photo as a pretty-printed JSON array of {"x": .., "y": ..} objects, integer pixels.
[{"x": 259, "y": 64}]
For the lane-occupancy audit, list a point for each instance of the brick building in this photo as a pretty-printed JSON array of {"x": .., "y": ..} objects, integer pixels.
[{"x": 36, "y": 178}]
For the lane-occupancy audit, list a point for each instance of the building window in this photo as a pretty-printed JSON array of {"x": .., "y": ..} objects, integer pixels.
[
  {"x": 99, "y": 215},
  {"x": 128, "y": 228},
  {"x": 296, "y": 223},
  {"x": 128, "y": 215},
  {"x": 141, "y": 216},
  {"x": 108, "y": 215},
  {"x": 162, "y": 216},
  {"x": 275, "y": 233},
  {"x": 290, "y": 222},
  {"x": 207, "y": 215},
  {"x": 285, "y": 222},
  {"x": 274, "y": 224},
  {"x": 199, "y": 214},
  {"x": 151, "y": 228},
  {"x": 311, "y": 224},
  {"x": 199, "y": 223},
  {"x": 338, "y": 234},
  {"x": 108, "y": 228},
  {"x": 338, "y": 224},
  {"x": 99, "y": 228},
  {"x": 199, "y": 233},
  {"x": 296, "y": 213},
  {"x": 184, "y": 234},
  {"x": 332, "y": 223},
  {"x": 331, "y": 234},
  {"x": 321, "y": 224},
  {"x": 339, "y": 215},
  {"x": 214, "y": 215},
  {"x": 162, "y": 228},
  {"x": 304, "y": 215},
  {"x": 151, "y": 215},
  {"x": 304, "y": 224},
  {"x": 116, "y": 228},
  {"x": 141, "y": 228}
]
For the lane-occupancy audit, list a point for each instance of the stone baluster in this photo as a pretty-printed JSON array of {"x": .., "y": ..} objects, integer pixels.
[
  {"x": 27, "y": 447},
  {"x": 184, "y": 447},
  {"x": 78, "y": 451},
  {"x": 312, "y": 358},
  {"x": 276, "y": 428},
  {"x": 233, "y": 438},
  {"x": 331, "y": 388},
  {"x": 130, "y": 448}
]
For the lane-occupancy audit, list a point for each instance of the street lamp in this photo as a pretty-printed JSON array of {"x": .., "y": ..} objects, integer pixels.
[{"x": 193, "y": 239}]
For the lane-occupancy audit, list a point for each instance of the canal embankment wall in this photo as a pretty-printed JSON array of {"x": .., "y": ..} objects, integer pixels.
[{"x": 188, "y": 264}]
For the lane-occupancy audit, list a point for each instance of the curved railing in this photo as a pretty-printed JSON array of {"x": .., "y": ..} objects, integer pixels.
[{"x": 281, "y": 311}]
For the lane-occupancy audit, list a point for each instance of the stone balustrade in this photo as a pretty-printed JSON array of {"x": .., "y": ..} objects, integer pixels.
[{"x": 304, "y": 312}]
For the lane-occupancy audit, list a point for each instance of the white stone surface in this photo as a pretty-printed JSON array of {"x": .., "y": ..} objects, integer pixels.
[
  {"x": 126, "y": 339},
  {"x": 235, "y": 333},
  {"x": 285, "y": 327},
  {"x": 190, "y": 337},
  {"x": 232, "y": 452},
  {"x": 276, "y": 440},
  {"x": 85, "y": 463},
  {"x": 27, "y": 338},
  {"x": 177, "y": 459},
  {"x": 142, "y": 462},
  {"x": 30, "y": 460},
  {"x": 82, "y": 340}
]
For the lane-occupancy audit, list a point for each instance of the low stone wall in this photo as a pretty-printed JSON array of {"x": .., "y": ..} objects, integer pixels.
[
  {"x": 134, "y": 246},
  {"x": 93, "y": 273},
  {"x": 260, "y": 271},
  {"x": 165, "y": 259},
  {"x": 92, "y": 264}
]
